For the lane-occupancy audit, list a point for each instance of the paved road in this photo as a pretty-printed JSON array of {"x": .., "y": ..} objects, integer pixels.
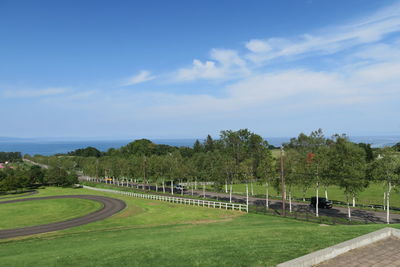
[
  {"x": 20, "y": 195},
  {"x": 367, "y": 216},
  {"x": 110, "y": 207},
  {"x": 339, "y": 212},
  {"x": 34, "y": 163}
]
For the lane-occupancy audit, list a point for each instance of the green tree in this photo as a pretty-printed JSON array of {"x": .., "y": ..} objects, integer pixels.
[
  {"x": 198, "y": 147},
  {"x": 386, "y": 168},
  {"x": 209, "y": 144},
  {"x": 347, "y": 163},
  {"x": 36, "y": 175},
  {"x": 266, "y": 170}
]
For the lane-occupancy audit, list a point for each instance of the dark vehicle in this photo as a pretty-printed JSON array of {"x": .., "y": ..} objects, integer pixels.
[
  {"x": 323, "y": 203},
  {"x": 179, "y": 188}
]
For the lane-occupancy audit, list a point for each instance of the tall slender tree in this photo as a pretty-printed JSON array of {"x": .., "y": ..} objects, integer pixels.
[{"x": 386, "y": 169}]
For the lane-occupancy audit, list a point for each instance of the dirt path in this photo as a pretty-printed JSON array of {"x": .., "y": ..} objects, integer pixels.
[{"x": 110, "y": 207}]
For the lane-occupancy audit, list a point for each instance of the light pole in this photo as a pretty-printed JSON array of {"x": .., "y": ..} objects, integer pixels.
[{"x": 283, "y": 184}]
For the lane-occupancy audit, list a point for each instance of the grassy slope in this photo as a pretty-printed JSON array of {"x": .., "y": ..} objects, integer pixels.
[
  {"x": 150, "y": 233},
  {"x": 14, "y": 215}
]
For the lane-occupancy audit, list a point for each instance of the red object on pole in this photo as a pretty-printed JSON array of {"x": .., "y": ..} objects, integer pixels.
[{"x": 310, "y": 157}]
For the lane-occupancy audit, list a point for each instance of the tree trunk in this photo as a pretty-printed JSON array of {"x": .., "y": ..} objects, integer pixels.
[
  {"x": 384, "y": 200},
  {"x": 163, "y": 186},
  {"x": 290, "y": 201},
  {"x": 195, "y": 184},
  {"x": 156, "y": 187},
  {"x": 172, "y": 187},
  {"x": 388, "y": 203},
  {"x": 348, "y": 210},
  {"x": 252, "y": 190},
  {"x": 204, "y": 190},
  {"x": 247, "y": 196},
  {"x": 317, "y": 203},
  {"x": 230, "y": 193},
  {"x": 326, "y": 193},
  {"x": 266, "y": 196},
  {"x": 354, "y": 201},
  {"x": 191, "y": 186},
  {"x": 226, "y": 186},
  {"x": 181, "y": 189}
]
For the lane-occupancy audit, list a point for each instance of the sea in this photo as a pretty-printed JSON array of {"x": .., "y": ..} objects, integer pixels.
[{"x": 46, "y": 148}]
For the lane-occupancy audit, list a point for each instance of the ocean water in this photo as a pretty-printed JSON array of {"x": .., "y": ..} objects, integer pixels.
[{"x": 33, "y": 147}]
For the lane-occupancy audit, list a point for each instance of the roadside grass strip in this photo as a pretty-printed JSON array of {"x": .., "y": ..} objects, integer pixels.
[{"x": 178, "y": 200}]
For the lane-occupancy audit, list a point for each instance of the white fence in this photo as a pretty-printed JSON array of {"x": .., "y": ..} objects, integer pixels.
[{"x": 180, "y": 200}]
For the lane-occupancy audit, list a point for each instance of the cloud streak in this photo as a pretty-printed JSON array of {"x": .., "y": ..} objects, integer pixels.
[
  {"x": 229, "y": 64},
  {"x": 328, "y": 41},
  {"x": 33, "y": 93},
  {"x": 224, "y": 64},
  {"x": 141, "y": 77}
]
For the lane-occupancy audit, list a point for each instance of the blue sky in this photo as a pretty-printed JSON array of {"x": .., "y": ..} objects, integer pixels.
[{"x": 182, "y": 69}]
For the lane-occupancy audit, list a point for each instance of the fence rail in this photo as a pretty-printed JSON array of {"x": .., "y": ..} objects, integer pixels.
[{"x": 179, "y": 200}]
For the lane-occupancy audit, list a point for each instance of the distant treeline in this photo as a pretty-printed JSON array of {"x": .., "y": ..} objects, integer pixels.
[
  {"x": 237, "y": 156},
  {"x": 397, "y": 146},
  {"x": 10, "y": 156},
  {"x": 146, "y": 147},
  {"x": 24, "y": 177}
]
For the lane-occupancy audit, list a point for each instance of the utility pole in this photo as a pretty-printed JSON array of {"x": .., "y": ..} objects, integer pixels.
[{"x": 283, "y": 185}]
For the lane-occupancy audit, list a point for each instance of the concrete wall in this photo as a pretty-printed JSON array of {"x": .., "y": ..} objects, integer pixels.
[{"x": 336, "y": 250}]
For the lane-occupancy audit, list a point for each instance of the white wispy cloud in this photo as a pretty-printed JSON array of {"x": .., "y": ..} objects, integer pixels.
[
  {"x": 368, "y": 74},
  {"x": 28, "y": 93},
  {"x": 329, "y": 40},
  {"x": 360, "y": 80},
  {"x": 223, "y": 64},
  {"x": 141, "y": 77},
  {"x": 226, "y": 64}
]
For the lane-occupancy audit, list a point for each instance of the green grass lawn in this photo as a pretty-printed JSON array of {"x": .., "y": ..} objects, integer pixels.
[
  {"x": 21, "y": 214},
  {"x": 11, "y": 195},
  {"x": 155, "y": 233},
  {"x": 371, "y": 195}
]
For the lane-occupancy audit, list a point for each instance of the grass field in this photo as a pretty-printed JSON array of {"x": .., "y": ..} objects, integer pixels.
[
  {"x": 154, "y": 233},
  {"x": 29, "y": 213},
  {"x": 371, "y": 195}
]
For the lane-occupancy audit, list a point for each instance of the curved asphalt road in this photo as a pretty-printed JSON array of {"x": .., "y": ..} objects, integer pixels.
[{"x": 110, "y": 207}]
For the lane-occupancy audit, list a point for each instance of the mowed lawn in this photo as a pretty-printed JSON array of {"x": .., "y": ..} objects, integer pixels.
[
  {"x": 371, "y": 195},
  {"x": 155, "y": 233},
  {"x": 22, "y": 214}
]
